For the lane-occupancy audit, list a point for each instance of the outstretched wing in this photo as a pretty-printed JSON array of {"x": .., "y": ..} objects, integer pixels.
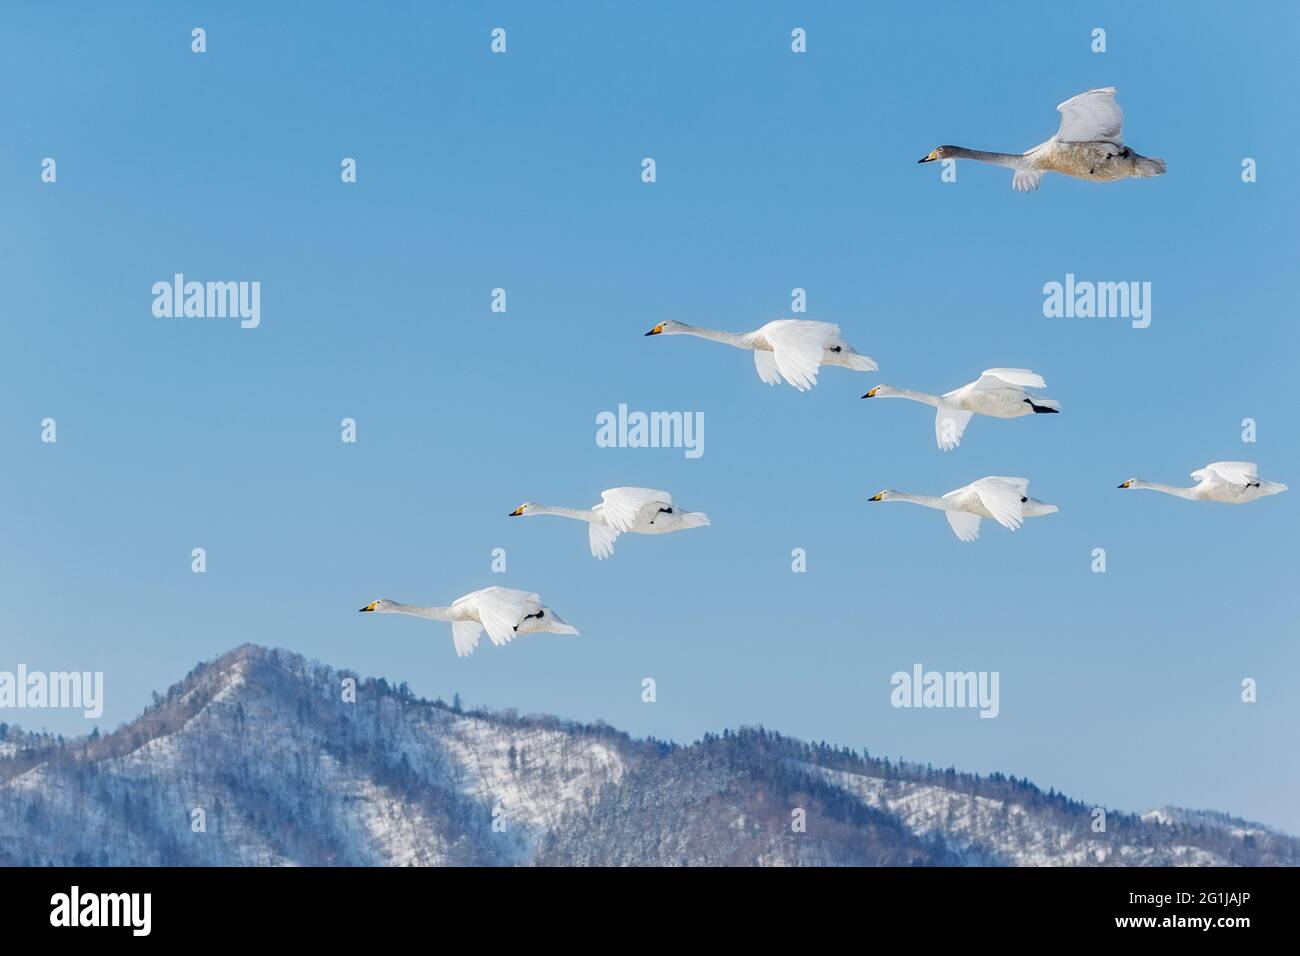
[
  {"x": 965, "y": 525},
  {"x": 621, "y": 505},
  {"x": 1233, "y": 472},
  {"x": 949, "y": 425},
  {"x": 765, "y": 363},
  {"x": 501, "y": 609},
  {"x": 1002, "y": 497},
  {"x": 465, "y": 635},
  {"x": 601, "y": 538},
  {"x": 798, "y": 346},
  {"x": 1092, "y": 117},
  {"x": 1015, "y": 377}
]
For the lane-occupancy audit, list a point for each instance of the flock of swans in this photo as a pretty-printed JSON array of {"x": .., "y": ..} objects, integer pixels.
[{"x": 1088, "y": 145}]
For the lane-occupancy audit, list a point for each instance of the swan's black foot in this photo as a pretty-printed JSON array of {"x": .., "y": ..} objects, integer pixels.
[
  {"x": 835, "y": 348},
  {"x": 1041, "y": 409},
  {"x": 538, "y": 615},
  {"x": 1023, "y": 499}
]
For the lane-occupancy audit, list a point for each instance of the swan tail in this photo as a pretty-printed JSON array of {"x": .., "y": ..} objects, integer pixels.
[
  {"x": 1145, "y": 166},
  {"x": 694, "y": 519},
  {"x": 1033, "y": 508},
  {"x": 557, "y": 625},
  {"x": 1041, "y": 406},
  {"x": 862, "y": 363}
]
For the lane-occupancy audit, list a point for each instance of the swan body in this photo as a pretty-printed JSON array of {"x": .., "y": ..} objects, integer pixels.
[
  {"x": 622, "y": 510},
  {"x": 792, "y": 350},
  {"x": 503, "y": 612},
  {"x": 998, "y": 393},
  {"x": 1089, "y": 145},
  {"x": 1228, "y": 482},
  {"x": 1005, "y": 500}
]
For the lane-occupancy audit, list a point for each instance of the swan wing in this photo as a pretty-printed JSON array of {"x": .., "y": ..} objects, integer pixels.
[
  {"x": 798, "y": 346},
  {"x": 1091, "y": 117},
  {"x": 1016, "y": 377},
  {"x": 465, "y": 635},
  {"x": 1233, "y": 472},
  {"x": 601, "y": 538},
  {"x": 965, "y": 525},
  {"x": 621, "y": 505},
  {"x": 1021, "y": 485},
  {"x": 1001, "y": 496},
  {"x": 501, "y": 609},
  {"x": 949, "y": 425},
  {"x": 765, "y": 364}
]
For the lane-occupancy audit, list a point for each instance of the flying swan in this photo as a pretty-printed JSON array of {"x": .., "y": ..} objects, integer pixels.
[
  {"x": 634, "y": 510},
  {"x": 790, "y": 349},
  {"x": 1005, "y": 500},
  {"x": 1231, "y": 482},
  {"x": 998, "y": 393},
  {"x": 503, "y": 612},
  {"x": 1089, "y": 145}
]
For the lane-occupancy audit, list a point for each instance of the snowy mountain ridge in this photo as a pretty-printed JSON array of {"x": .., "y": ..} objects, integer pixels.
[{"x": 257, "y": 758}]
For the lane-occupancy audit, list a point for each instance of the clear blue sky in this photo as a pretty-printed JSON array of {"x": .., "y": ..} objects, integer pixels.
[{"x": 774, "y": 171}]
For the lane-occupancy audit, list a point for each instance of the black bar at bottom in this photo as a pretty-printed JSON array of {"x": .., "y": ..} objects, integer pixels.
[{"x": 303, "y": 904}]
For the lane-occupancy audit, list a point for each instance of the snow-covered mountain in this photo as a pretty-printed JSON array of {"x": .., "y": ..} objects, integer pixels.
[{"x": 260, "y": 757}]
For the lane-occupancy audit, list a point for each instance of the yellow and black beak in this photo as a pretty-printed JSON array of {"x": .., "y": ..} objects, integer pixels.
[
  {"x": 657, "y": 330},
  {"x": 368, "y": 607},
  {"x": 879, "y": 497},
  {"x": 872, "y": 393},
  {"x": 934, "y": 154},
  {"x": 1127, "y": 483},
  {"x": 516, "y": 513}
]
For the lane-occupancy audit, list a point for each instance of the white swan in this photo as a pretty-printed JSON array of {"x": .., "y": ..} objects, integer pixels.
[
  {"x": 1231, "y": 482},
  {"x": 503, "y": 612},
  {"x": 790, "y": 349},
  {"x": 634, "y": 510},
  {"x": 1005, "y": 500},
  {"x": 999, "y": 393},
  {"x": 1089, "y": 145}
]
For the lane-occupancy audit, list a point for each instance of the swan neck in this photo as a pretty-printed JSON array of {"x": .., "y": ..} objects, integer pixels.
[
  {"x": 925, "y": 398},
  {"x": 927, "y": 501},
  {"x": 578, "y": 514},
  {"x": 1167, "y": 489},
  {"x": 734, "y": 339},
  {"x": 1012, "y": 160},
  {"x": 430, "y": 612}
]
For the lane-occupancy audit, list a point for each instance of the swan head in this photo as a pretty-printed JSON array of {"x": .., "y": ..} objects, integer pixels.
[
  {"x": 1131, "y": 483},
  {"x": 883, "y": 495},
  {"x": 943, "y": 152},
  {"x": 528, "y": 507},
  {"x": 880, "y": 391},
  {"x": 666, "y": 328},
  {"x": 383, "y": 604}
]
